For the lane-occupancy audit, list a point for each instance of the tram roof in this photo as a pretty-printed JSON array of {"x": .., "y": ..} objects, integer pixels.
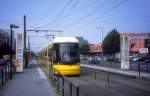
[{"x": 65, "y": 40}]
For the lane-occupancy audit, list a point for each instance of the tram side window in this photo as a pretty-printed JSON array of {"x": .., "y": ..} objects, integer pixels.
[
  {"x": 50, "y": 55},
  {"x": 54, "y": 56}
]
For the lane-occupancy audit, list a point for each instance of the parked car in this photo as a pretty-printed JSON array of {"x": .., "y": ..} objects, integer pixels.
[
  {"x": 136, "y": 59},
  {"x": 131, "y": 58},
  {"x": 147, "y": 61},
  {"x": 104, "y": 59}
]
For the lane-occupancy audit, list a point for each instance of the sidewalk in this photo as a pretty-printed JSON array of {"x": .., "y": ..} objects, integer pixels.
[
  {"x": 118, "y": 71},
  {"x": 32, "y": 82}
]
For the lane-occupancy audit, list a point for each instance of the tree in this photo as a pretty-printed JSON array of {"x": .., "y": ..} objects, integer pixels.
[
  {"x": 83, "y": 45},
  {"x": 111, "y": 43}
]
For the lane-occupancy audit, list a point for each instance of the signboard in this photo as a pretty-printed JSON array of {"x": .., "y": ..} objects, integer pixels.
[
  {"x": 143, "y": 50},
  {"x": 19, "y": 52}
]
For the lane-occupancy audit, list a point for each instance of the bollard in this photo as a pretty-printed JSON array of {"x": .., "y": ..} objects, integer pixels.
[
  {"x": 54, "y": 77},
  {"x": 108, "y": 81},
  {"x": 63, "y": 86},
  {"x": 95, "y": 75},
  {"x": 77, "y": 91},
  {"x": 7, "y": 76},
  {"x": 70, "y": 92},
  {"x": 2, "y": 76},
  {"x": 5, "y": 72},
  {"x": 9, "y": 70},
  {"x": 147, "y": 67},
  {"x": 58, "y": 83},
  {"x": 139, "y": 69}
]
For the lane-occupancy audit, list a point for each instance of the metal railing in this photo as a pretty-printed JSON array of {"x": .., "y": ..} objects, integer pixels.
[
  {"x": 5, "y": 72},
  {"x": 95, "y": 72},
  {"x": 59, "y": 81},
  {"x": 134, "y": 66},
  {"x": 108, "y": 74}
]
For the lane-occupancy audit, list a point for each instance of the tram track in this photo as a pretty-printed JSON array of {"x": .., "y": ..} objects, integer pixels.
[
  {"x": 114, "y": 88},
  {"x": 118, "y": 86},
  {"x": 126, "y": 79}
]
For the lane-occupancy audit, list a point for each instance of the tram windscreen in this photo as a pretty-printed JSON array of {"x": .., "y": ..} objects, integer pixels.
[{"x": 67, "y": 53}]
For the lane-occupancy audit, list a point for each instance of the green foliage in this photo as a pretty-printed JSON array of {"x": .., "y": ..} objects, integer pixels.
[
  {"x": 83, "y": 45},
  {"x": 111, "y": 43}
]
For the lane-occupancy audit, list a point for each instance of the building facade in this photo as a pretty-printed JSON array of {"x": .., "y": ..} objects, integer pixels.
[
  {"x": 137, "y": 41},
  {"x": 95, "y": 48}
]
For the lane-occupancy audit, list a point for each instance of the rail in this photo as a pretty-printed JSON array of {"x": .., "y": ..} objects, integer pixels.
[{"x": 60, "y": 77}]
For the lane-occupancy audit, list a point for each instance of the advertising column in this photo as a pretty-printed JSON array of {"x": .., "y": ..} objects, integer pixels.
[
  {"x": 124, "y": 52},
  {"x": 19, "y": 52}
]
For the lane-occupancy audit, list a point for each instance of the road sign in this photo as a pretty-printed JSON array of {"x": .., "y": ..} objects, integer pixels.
[{"x": 143, "y": 50}]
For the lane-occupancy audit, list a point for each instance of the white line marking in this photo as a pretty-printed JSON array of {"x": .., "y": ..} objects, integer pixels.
[{"x": 41, "y": 73}]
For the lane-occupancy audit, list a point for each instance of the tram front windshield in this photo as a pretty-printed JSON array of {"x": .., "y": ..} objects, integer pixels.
[{"x": 67, "y": 53}]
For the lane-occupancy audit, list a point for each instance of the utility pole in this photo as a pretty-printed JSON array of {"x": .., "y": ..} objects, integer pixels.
[
  {"x": 28, "y": 42},
  {"x": 28, "y": 48},
  {"x": 25, "y": 53}
]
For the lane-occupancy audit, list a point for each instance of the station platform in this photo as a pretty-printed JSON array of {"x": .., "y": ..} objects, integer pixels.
[
  {"x": 31, "y": 82},
  {"x": 118, "y": 71}
]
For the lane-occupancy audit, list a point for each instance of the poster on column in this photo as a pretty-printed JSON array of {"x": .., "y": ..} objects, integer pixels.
[
  {"x": 124, "y": 52},
  {"x": 19, "y": 52}
]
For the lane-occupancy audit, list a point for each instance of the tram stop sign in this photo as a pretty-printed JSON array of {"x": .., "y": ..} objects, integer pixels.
[{"x": 143, "y": 50}]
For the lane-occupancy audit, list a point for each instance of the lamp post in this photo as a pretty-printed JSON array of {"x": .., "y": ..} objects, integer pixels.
[{"x": 11, "y": 45}]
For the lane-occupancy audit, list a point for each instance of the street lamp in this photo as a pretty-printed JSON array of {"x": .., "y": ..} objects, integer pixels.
[{"x": 11, "y": 42}]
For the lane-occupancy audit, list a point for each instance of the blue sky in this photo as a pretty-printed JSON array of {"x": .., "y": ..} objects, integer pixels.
[{"x": 76, "y": 17}]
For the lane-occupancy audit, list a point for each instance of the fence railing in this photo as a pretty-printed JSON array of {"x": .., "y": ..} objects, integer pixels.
[
  {"x": 95, "y": 72},
  {"x": 5, "y": 73},
  {"x": 109, "y": 75},
  {"x": 59, "y": 81},
  {"x": 134, "y": 66}
]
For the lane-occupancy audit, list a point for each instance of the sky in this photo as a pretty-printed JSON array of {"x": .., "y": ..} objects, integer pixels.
[{"x": 83, "y": 18}]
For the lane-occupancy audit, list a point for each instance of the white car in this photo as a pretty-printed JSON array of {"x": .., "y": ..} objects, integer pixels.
[{"x": 136, "y": 59}]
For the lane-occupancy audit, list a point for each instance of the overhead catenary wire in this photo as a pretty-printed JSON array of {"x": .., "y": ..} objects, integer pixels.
[
  {"x": 6, "y": 21},
  {"x": 11, "y": 22},
  {"x": 102, "y": 6},
  {"x": 105, "y": 13},
  {"x": 60, "y": 12},
  {"x": 108, "y": 11},
  {"x": 81, "y": 8},
  {"x": 73, "y": 6},
  {"x": 48, "y": 13},
  {"x": 77, "y": 10}
]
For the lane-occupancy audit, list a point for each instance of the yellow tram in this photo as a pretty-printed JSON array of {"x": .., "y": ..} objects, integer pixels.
[{"x": 63, "y": 55}]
